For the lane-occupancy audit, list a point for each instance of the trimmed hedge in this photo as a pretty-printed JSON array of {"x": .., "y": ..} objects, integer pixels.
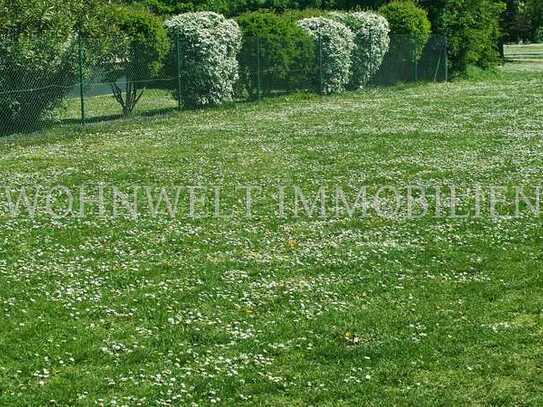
[
  {"x": 410, "y": 27},
  {"x": 286, "y": 52}
]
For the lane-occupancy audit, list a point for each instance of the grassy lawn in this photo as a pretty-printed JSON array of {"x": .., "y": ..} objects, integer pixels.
[
  {"x": 309, "y": 310},
  {"x": 105, "y": 107}
]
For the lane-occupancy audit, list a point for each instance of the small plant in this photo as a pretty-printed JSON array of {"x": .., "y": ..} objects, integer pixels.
[
  {"x": 138, "y": 52},
  {"x": 371, "y": 42},
  {"x": 334, "y": 46},
  {"x": 208, "y": 45}
]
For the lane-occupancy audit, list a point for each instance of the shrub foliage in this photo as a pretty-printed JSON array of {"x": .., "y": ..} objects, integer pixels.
[
  {"x": 335, "y": 43},
  {"x": 209, "y": 44}
]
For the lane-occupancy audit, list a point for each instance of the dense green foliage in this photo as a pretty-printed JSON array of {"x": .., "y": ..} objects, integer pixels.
[
  {"x": 232, "y": 7},
  {"x": 39, "y": 54},
  {"x": 476, "y": 36},
  {"x": 39, "y": 41},
  {"x": 140, "y": 45},
  {"x": 522, "y": 20},
  {"x": 515, "y": 24},
  {"x": 359, "y": 4},
  {"x": 409, "y": 27},
  {"x": 534, "y": 10},
  {"x": 539, "y": 35},
  {"x": 297, "y": 15},
  {"x": 473, "y": 32},
  {"x": 285, "y": 51}
]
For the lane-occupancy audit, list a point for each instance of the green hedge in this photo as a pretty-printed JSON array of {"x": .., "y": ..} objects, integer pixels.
[
  {"x": 409, "y": 27},
  {"x": 286, "y": 53}
]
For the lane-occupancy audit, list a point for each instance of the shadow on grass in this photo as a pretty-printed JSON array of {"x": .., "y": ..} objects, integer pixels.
[
  {"x": 113, "y": 117},
  {"x": 96, "y": 119}
]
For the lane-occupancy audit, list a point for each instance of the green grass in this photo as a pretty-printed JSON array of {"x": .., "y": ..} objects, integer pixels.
[
  {"x": 105, "y": 107},
  {"x": 267, "y": 311}
]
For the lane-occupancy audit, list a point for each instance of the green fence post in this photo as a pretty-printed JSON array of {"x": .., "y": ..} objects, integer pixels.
[
  {"x": 258, "y": 70},
  {"x": 81, "y": 87},
  {"x": 446, "y": 50},
  {"x": 415, "y": 61},
  {"x": 366, "y": 81},
  {"x": 321, "y": 79},
  {"x": 178, "y": 65}
]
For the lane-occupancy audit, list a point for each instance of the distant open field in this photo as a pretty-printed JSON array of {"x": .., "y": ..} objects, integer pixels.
[
  {"x": 528, "y": 52},
  {"x": 154, "y": 310}
]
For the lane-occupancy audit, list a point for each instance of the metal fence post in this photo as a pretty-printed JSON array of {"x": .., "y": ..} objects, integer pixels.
[
  {"x": 81, "y": 87},
  {"x": 258, "y": 70},
  {"x": 321, "y": 79},
  {"x": 415, "y": 61},
  {"x": 446, "y": 50},
  {"x": 178, "y": 65}
]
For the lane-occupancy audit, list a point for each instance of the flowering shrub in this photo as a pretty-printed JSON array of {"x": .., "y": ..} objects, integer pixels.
[
  {"x": 371, "y": 41},
  {"x": 208, "y": 46},
  {"x": 335, "y": 43}
]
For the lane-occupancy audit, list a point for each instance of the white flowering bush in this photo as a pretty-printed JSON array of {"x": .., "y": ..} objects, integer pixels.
[
  {"x": 208, "y": 47},
  {"x": 371, "y": 41},
  {"x": 336, "y": 44}
]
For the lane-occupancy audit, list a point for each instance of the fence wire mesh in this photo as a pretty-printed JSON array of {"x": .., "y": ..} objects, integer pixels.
[{"x": 87, "y": 89}]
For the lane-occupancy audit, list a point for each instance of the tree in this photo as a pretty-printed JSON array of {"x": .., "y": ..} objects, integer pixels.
[
  {"x": 137, "y": 55},
  {"x": 473, "y": 31},
  {"x": 359, "y": 4},
  {"x": 534, "y": 9},
  {"x": 39, "y": 43},
  {"x": 516, "y": 24}
]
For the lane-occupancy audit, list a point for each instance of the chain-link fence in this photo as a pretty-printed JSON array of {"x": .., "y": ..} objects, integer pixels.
[
  {"x": 405, "y": 62},
  {"x": 87, "y": 90}
]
